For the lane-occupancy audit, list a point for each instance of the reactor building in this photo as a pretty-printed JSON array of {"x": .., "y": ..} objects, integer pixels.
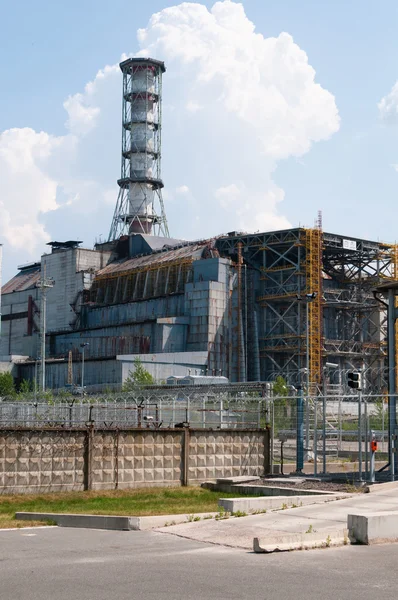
[{"x": 248, "y": 307}]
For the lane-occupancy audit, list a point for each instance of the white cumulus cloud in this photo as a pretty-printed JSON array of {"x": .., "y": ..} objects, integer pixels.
[
  {"x": 259, "y": 103},
  {"x": 235, "y": 103},
  {"x": 182, "y": 189},
  {"x": 388, "y": 106},
  {"x": 28, "y": 190},
  {"x": 265, "y": 82},
  {"x": 228, "y": 194}
]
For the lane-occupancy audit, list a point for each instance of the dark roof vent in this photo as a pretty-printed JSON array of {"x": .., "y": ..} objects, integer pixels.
[{"x": 64, "y": 245}]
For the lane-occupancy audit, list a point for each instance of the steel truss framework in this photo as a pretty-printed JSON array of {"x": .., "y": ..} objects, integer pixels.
[
  {"x": 347, "y": 326},
  {"x": 159, "y": 279}
]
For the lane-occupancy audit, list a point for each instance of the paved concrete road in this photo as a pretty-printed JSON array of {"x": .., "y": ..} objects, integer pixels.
[
  {"x": 275, "y": 528},
  {"x": 69, "y": 564}
]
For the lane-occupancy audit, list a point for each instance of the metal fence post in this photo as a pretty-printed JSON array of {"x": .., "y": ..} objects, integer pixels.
[
  {"x": 382, "y": 420},
  {"x": 300, "y": 431},
  {"x": 316, "y": 438},
  {"x": 359, "y": 435},
  {"x": 372, "y": 459},
  {"x": 272, "y": 434},
  {"x": 340, "y": 426},
  {"x": 324, "y": 434},
  {"x": 365, "y": 410}
]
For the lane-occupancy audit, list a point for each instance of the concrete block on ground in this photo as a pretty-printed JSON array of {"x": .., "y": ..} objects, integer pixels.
[
  {"x": 238, "y": 479},
  {"x": 373, "y": 527},
  {"x": 265, "y": 490},
  {"x": 115, "y": 523},
  {"x": 83, "y": 521},
  {"x": 250, "y": 504},
  {"x": 301, "y": 541},
  {"x": 381, "y": 487}
]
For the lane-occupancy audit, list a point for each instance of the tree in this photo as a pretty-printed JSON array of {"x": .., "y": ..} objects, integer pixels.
[
  {"x": 138, "y": 378},
  {"x": 7, "y": 386},
  {"x": 25, "y": 387},
  {"x": 279, "y": 387},
  {"x": 283, "y": 407}
]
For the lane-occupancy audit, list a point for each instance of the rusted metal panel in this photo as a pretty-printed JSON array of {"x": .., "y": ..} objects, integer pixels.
[{"x": 22, "y": 281}]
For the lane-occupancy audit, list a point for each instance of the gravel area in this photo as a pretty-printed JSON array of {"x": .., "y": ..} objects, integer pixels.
[{"x": 321, "y": 486}]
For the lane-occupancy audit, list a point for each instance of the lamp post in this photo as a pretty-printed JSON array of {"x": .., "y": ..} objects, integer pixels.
[
  {"x": 44, "y": 285},
  {"x": 307, "y": 298},
  {"x": 83, "y": 347}
]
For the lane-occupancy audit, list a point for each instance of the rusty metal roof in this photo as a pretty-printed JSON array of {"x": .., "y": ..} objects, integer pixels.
[
  {"x": 26, "y": 279},
  {"x": 192, "y": 251}
]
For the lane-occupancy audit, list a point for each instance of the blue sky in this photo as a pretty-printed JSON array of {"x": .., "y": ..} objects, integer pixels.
[{"x": 50, "y": 51}]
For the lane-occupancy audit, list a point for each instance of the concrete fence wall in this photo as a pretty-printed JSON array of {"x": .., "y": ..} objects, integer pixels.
[{"x": 51, "y": 460}]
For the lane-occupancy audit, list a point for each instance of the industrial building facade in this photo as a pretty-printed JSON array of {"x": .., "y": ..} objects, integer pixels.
[
  {"x": 248, "y": 307},
  {"x": 234, "y": 306}
]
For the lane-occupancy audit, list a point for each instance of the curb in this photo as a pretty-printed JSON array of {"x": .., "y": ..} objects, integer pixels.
[
  {"x": 110, "y": 522},
  {"x": 381, "y": 487},
  {"x": 301, "y": 541},
  {"x": 276, "y": 502},
  {"x": 84, "y": 521}
]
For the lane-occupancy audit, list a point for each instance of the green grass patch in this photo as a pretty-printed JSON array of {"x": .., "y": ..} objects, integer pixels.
[{"x": 139, "y": 502}]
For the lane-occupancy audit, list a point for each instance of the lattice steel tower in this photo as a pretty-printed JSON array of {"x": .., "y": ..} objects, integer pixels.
[{"x": 139, "y": 207}]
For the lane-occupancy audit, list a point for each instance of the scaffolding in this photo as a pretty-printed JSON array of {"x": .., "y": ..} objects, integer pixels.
[
  {"x": 346, "y": 323},
  {"x": 394, "y": 275},
  {"x": 313, "y": 264}
]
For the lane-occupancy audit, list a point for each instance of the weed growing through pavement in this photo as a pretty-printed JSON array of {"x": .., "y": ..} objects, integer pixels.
[
  {"x": 222, "y": 514},
  {"x": 191, "y": 518},
  {"x": 310, "y": 529}
]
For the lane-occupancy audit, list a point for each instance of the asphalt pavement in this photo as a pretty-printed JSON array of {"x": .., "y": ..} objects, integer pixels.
[{"x": 64, "y": 564}]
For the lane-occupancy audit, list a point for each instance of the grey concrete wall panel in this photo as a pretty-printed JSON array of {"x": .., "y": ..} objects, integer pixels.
[
  {"x": 132, "y": 312},
  {"x": 41, "y": 461},
  {"x": 34, "y": 461},
  {"x": 214, "y": 455},
  {"x": 140, "y": 459}
]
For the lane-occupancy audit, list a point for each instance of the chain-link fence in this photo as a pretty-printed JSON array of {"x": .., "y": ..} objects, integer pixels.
[
  {"x": 315, "y": 434},
  {"x": 214, "y": 407},
  {"x": 334, "y": 433}
]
